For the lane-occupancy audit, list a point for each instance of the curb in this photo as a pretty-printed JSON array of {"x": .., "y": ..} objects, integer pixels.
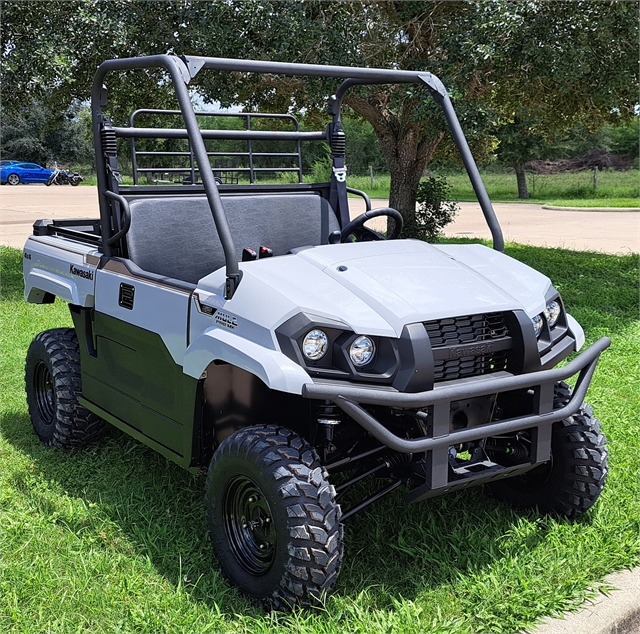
[
  {"x": 554, "y": 208},
  {"x": 615, "y": 613}
]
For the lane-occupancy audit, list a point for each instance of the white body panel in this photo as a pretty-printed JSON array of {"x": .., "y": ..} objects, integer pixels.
[
  {"x": 156, "y": 308},
  {"x": 377, "y": 288},
  {"x": 274, "y": 368},
  {"x": 373, "y": 288},
  {"x": 60, "y": 267}
]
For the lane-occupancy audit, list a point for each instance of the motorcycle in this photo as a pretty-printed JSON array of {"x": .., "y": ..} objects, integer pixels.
[
  {"x": 62, "y": 177},
  {"x": 74, "y": 178}
]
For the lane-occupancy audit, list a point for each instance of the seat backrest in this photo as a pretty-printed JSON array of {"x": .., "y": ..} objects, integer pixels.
[{"x": 176, "y": 236}]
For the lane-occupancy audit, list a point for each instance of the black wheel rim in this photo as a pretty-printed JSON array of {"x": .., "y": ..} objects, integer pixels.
[
  {"x": 534, "y": 480},
  {"x": 249, "y": 526},
  {"x": 43, "y": 388}
]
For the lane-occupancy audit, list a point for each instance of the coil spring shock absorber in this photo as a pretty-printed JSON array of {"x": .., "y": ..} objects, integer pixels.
[
  {"x": 109, "y": 144},
  {"x": 328, "y": 419}
]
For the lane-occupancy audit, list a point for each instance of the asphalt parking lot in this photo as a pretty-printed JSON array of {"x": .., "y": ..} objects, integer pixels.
[{"x": 615, "y": 232}]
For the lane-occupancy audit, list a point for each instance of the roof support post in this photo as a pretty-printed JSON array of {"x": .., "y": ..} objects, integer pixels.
[{"x": 441, "y": 96}]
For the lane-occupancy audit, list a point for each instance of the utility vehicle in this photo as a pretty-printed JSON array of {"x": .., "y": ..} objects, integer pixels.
[{"x": 259, "y": 332}]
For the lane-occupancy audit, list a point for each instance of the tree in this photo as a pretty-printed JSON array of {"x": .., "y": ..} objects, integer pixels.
[
  {"x": 51, "y": 50},
  {"x": 39, "y": 136},
  {"x": 382, "y": 34},
  {"x": 558, "y": 64},
  {"x": 564, "y": 60},
  {"x": 520, "y": 140}
]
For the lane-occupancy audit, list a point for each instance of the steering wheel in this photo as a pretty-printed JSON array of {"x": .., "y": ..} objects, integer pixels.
[{"x": 358, "y": 223}]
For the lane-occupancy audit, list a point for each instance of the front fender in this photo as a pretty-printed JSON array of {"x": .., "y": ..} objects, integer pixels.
[{"x": 276, "y": 370}]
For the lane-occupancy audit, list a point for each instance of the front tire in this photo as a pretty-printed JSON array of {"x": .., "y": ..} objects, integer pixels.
[
  {"x": 53, "y": 384},
  {"x": 571, "y": 482},
  {"x": 273, "y": 519}
]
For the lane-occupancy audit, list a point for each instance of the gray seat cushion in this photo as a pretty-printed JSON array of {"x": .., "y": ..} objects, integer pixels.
[{"x": 177, "y": 237}]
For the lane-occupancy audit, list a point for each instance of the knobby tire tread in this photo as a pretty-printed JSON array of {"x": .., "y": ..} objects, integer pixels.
[
  {"x": 577, "y": 472},
  {"x": 74, "y": 426},
  {"x": 315, "y": 534}
]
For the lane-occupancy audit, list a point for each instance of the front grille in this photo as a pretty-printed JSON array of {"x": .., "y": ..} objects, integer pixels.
[{"x": 456, "y": 356}]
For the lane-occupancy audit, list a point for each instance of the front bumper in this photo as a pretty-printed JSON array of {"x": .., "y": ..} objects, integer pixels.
[{"x": 440, "y": 437}]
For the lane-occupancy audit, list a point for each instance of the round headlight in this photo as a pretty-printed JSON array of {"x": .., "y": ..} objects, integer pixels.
[
  {"x": 552, "y": 312},
  {"x": 361, "y": 351},
  {"x": 315, "y": 344},
  {"x": 537, "y": 325}
]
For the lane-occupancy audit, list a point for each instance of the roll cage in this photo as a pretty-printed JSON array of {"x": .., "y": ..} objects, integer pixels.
[{"x": 113, "y": 207}]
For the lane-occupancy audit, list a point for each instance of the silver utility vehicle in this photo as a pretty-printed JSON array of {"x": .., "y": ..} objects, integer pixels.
[{"x": 257, "y": 331}]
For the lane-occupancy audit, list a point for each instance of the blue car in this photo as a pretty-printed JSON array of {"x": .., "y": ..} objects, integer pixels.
[{"x": 17, "y": 173}]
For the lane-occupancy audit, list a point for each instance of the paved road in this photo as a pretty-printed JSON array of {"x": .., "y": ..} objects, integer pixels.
[{"x": 609, "y": 232}]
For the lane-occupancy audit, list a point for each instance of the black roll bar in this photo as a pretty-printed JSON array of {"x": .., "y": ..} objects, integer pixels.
[
  {"x": 183, "y": 69},
  {"x": 180, "y": 78}
]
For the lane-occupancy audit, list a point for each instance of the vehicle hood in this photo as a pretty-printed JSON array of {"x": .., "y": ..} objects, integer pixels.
[{"x": 379, "y": 287}]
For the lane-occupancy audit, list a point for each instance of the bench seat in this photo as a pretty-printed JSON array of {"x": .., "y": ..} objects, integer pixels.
[{"x": 176, "y": 236}]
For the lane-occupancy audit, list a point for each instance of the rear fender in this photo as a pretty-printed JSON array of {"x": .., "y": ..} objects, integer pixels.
[
  {"x": 276, "y": 370},
  {"x": 54, "y": 271}
]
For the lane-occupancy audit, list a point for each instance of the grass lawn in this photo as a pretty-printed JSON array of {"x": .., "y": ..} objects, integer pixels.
[
  {"x": 114, "y": 539},
  {"x": 502, "y": 187},
  {"x": 615, "y": 189},
  {"x": 597, "y": 202}
]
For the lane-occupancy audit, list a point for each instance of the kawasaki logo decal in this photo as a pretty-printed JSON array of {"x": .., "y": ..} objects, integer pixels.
[{"x": 87, "y": 275}]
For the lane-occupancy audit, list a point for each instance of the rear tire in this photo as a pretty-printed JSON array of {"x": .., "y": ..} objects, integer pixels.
[
  {"x": 571, "y": 482},
  {"x": 13, "y": 179},
  {"x": 274, "y": 522},
  {"x": 53, "y": 385}
]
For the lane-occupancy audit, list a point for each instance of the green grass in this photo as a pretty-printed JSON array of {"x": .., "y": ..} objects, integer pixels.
[
  {"x": 615, "y": 189},
  {"x": 597, "y": 202},
  {"x": 114, "y": 539},
  {"x": 612, "y": 186}
]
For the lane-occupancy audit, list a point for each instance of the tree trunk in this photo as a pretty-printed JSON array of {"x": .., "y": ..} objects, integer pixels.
[
  {"x": 404, "y": 147},
  {"x": 407, "y": 158},
  {"x": 406, "y": 170},
  {"x": 523, "y": 191}
]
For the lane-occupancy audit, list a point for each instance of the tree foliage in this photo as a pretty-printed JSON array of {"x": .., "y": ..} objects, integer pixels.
[
  {"x": 38, "y": 135},
  {"x": 558, "y": 64},
  {"x": 562, "y": 61}
]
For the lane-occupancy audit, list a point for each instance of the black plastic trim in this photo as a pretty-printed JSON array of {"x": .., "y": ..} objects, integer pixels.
[
  {"x": 550, "y": 337},
  {"x": 406, "y": 363}
]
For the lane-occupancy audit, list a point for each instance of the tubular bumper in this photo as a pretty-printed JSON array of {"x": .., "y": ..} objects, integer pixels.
[{"x": 351, "y": 400}]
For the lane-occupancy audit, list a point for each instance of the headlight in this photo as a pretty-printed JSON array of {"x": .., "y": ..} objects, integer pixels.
[
  {"x": 314, "y": 345},
  {"x": 361, "y": 351},
  {"x": 537, "y": 325},
  {"x": 552, "y": 312}
]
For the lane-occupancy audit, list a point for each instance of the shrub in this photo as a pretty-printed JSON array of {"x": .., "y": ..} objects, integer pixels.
[
  {"x": 433, "y": 212},
  {"x": 322, "y": 171}
]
